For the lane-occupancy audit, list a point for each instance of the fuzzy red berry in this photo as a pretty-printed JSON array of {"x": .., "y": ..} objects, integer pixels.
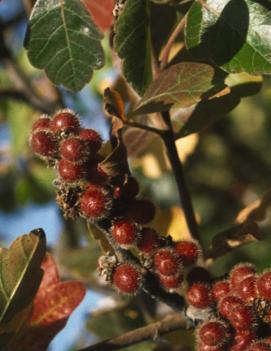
[
  {"x": 70, "y": 172},
  {"x": 228, "y": 303},
  {"x": 92, "y": 138},
  {"x": 264, "y": 285},
  {"x": 141, "y": 211},
  {"x": 127, "y": 278},
  {"x": 166, "y": 262},
  {"x": 124, "y": 232},
  {"x": 240, "y": 272},
  {"x": 199, "y": 295},
  {"x": 73, "y": 149},
  {"x": 213, "y": 333},
  {"x": 241, "y": 318},
  {"x": 242, "y": 340},
  {"x": 171, "y": 281},
  {"x": 220, "y": 289},
  {"x": 259, "y": 346},
  {"x": 247, "y": 289},
  {"x": 64, "y": 121},
  {"x": 44, "y": 144},
  {"x": 95, "y": 202},
  {"x": 188, "y": 251},
  {"x": 148, "y": 240},
  {"x": 203, "y": 347},
  {"x": 43, "y": 123}
]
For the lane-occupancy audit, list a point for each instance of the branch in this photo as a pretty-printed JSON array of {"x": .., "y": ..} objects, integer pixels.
[
  {"x": 177, "y": 169},
  {"x": 150, "y": 332},
  {"x": 170, "y": 42}
]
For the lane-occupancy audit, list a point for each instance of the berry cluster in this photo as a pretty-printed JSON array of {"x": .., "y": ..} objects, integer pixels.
[
  {"x": 85, "y": 189},
  {"x": 238, "y": 310}
]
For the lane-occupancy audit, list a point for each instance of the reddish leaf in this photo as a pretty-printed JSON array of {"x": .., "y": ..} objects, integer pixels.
[
  {"x": 101, "y": 11},
  {"x": 61, "y": 299},
  {"x": 53, "y": 304},
  {"x": 50, "y": 275}
]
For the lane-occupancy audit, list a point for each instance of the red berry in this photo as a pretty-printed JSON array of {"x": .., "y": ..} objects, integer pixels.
[
  {"x": 126, "y": 278},
  {"x": 73, "y": 149},
  {"x": 241, "y": 318},
  {"x": 199, "y": 295},
  {"x": 247, "y": 289},
  {"x": 124, "y": 232},
  {"x": 141, "y": 211},
  {"x": 44, "y": 144},
  {"x": 220, "y": 289},
  {"x": 171, "y": 281},
  {"x": 188, "y": 251},
  {"x": 203, "y": 347},
  {"x": 94, "y": 202},
  {"x": 242, "y": 340},
  {"x": 213, "y": 333},
  {"x": 240, "y": 272},
  {"x": 228, "y": 303},
  {"x": 259, "y": 346},
  {"x": 42, "y": 123},
  {"x": 148, "y": 240},
  {"x": 166, "y": 261},
  {"x": 64, "y": 121},
  {"x": 92, "y": 139},
  {"x": 198, "y": 274},
  {"x": 264, "y": 285},
  {"x": 70, "y": 172}
]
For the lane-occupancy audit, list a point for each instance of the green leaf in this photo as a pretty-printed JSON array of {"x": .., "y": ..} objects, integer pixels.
[
  {"x": 200, "y": 116},
  {"x": 233, "y": 34},
  {"x": 183, "y": 84},
  {"x": 132, "y": 43},
  {"x": 65, "y": 42},
  {"x": 20, "y": 273}
]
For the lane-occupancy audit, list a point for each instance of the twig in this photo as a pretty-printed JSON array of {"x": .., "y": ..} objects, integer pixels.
[
  {"x": 171, "y": 40},
  {"x": 177, "y": 169},
  {"x": 22, "y": 84},
  {"x": 150, "y": 332},
  {"x": 144, "y": 126}
]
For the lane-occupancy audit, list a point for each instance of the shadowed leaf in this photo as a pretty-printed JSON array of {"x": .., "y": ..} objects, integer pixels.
[
  {"x": 132, "y": 43},
  {"x": 183, "y": 84},
  {"x": 68, "y": 49}
]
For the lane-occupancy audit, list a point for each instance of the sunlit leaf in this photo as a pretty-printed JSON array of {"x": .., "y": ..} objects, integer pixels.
[
  {"x": 243, "y": 43},
  {"x": 20, "y": 277},
  {"x": 68, "y": 49}
]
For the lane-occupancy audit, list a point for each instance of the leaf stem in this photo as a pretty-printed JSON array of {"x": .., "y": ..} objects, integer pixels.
[
  {"x": 145, "y": 127},
  {"x": 152, "y": 331},
  {"x": 166, "y": 50},
  {"x": 178, "y": 171}
]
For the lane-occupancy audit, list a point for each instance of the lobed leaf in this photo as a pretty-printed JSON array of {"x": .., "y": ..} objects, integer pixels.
[
  {"x": 183, "y": 84},
  {"x": 132, "y": 43},
  {"x": 245, "y": 28},
  {"x": 68, "y": 49}
]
